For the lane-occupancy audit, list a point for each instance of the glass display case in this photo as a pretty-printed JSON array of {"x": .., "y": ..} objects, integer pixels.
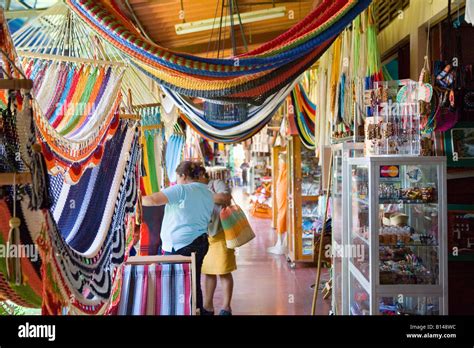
[
  {"x": 397, "y": 235},
  {"x": 304, "y": 186},
  {"x": 339, "y": 264}
]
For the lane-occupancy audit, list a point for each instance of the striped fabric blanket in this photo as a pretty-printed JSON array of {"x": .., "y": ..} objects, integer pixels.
[{"x": 157, "y": 289}]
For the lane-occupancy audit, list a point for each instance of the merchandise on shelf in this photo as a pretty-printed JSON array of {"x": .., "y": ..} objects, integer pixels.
[
  {"x": 360, "y": 304},
  {"x": 391, "y": 192},
  {"x": 395, "y": 127},
  {"x": 260, "y": 200},
  {"x": 408, "y": 305}
]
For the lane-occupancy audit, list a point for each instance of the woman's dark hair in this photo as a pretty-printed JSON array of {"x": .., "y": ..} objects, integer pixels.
[{"x": 191, "y": 170}]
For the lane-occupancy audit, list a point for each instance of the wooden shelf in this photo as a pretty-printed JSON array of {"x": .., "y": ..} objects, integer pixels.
[
  {"x": 147, "y": 260},
  {"x": 310, "y": 198}
]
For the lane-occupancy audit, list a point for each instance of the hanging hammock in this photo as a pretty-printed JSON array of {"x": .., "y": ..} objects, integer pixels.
[
  {"x": 152, "y": 140},
  {"x": 76, "y": 122},
  {"x": 258, "y": 117},
  {"x": 85, "y": 236},
  {"x": 57, "y": 35},
  {"x": 20, "y": 278},
  {"x": 249, "y": 77},
  {"x": 174, "y": 154},
  {"x": 305, "y": 116},
  {"x": 87, "y": 240}
]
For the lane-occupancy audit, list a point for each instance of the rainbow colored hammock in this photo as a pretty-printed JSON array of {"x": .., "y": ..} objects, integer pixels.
[
  {"x": 76, "y": 113},
  {"x": 305, "y": 116},
  {"x": 152, "y": 141},
  {"x": 251, "y": 77}
]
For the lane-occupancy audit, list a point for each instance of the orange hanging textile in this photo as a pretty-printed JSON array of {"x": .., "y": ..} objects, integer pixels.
[{"x": 282, "y": 193}]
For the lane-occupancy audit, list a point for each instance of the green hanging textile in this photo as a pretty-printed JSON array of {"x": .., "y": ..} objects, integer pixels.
[
  {"x": 356, "y": 33},
  {"x": 150, "y": 145},
  {"x": 373, "y": 61}
]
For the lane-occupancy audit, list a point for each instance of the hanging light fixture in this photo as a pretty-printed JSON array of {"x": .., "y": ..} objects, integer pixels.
[{"x": 245, "y": 17}]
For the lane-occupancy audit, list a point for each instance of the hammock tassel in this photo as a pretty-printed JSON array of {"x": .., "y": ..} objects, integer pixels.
[{"x": 13, "y": 258}]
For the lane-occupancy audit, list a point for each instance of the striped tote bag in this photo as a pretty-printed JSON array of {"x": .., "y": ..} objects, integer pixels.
[{"x": 236, "y": 227}]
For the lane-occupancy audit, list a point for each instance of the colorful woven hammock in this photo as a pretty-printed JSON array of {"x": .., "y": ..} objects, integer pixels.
[
  {"x": 258, "y": 117},
  {"x": 58, "y": 34},
  {"x": 305, "y": 116},
  {"x": 17, "y": 135},
  {"x": 252, "y": 77},
  {"x": 75, "y": 113},
  {"x": 80, "y": 261},
  {"x": 152, "y": 140},
  {"x": 174, "y": 154},
  {"x": 20, "y": 280},
  {"x": 87, "y": 236}
]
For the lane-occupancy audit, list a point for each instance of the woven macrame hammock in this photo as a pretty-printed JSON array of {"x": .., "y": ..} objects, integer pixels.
[
  {"x": 305, "y": 116},
  {"x": 77, "y": 86},
  {"x": 58, "y": 35},
  {"x": 251, "y": 77},
  {"x": 83, "y": 238},
  {"x": 152, "y": 142},
  {"x": 88, "y": 239},
  {"x": 234, "y": 132},
  {"x": 20, "y": 273}
]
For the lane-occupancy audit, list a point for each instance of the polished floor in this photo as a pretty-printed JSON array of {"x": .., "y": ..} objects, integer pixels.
[{"x": 264, "y": 284}]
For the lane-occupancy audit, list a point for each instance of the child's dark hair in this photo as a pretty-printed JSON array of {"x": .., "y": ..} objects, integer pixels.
[{"x": 190, "y": 169}]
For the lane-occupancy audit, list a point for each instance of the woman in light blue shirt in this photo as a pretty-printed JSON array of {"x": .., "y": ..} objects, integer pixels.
[{"x": 188, "y": 210}]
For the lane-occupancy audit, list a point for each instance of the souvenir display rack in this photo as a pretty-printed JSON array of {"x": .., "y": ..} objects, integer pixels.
[{"x": 395, "y": 127}]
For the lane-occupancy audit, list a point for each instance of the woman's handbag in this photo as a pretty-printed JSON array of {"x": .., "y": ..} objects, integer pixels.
[{"x": 237, "y": 229}]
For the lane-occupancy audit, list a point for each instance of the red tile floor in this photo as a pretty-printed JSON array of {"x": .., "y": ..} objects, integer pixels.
[{"x": 264, "y": 284}]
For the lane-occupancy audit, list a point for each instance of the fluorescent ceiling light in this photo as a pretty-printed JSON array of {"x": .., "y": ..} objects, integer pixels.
[{"x": 214, "y": 23}]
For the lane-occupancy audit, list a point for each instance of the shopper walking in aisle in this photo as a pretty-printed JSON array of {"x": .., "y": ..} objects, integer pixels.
[
  {"x": 245, "y": 167},
  {"x": 189, "y": 206},
  {"x": 219, "y": 261}
]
